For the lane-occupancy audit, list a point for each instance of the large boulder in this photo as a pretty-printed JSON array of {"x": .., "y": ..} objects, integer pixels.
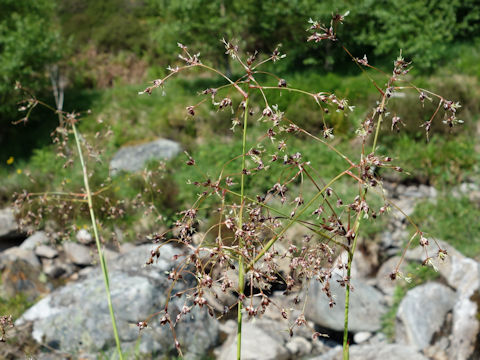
[
  {"x": 134, "y": 158},
  {"x": 422, "y": 313},
  {"x": 367, "y": 306},
  {"x": 75, "y": 319}
]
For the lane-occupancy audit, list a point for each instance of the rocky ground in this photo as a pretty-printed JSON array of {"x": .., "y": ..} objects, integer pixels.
[{"x": 435, "y": 320}]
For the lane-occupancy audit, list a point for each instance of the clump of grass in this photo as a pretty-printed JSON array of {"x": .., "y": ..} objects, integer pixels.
[{"x": 453, "y": 219}]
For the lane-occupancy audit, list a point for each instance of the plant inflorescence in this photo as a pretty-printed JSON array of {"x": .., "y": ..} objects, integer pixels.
[{"x": 249, "y": 239}]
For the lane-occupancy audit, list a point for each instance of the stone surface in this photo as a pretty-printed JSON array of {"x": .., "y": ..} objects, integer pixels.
[
  {"x": 299, "y": 346},
  {"x": 14, "y": 253},
  {"x": 134, "y": 158},
  {"x": 462, "y": 274},
  {"x": 77, "y": 253},
  {"x": 19, "y": 276},
  {"x": 75, "y": 318},
  {"x": 37, "y": 238},
  {"x": 84, "y": 237},
  {"x": 366, "y": 306},
  {"x": 383, "y": 280},
  {"x": 422, "y": 313},
  {"x": 261, "y": 340},
  {"x": 46, "y": 251},
  {"x": 375, "y": 352},
  {"x": 8, "y": 224},
  {"x": 361, "y": 337},
  {"x": 52, "y": 268}
]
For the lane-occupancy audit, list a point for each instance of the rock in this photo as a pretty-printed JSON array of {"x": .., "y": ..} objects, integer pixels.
[
  {"x": 38, "y": 238},
  {"x": 46, "y": 251},
  {"x": 57, "y": 267},
  {"x": 383, "y": 280},
  {"x": 8, "y": 224},
  {"x": 366, "y": 306},
  {"x": 299, "y": 346},
  {"x": 465, "y": 326},
  {"x": 52, "y": 268},
  {"x": 375, "y": 352},
  {"x": 77, "y": 253},
  {"x": 422, "y": 313},
  {"x": 462, "y": 274},
  {"x": 134, "y": 158},
  {"x": 261, "y": 340},
  {"x": 110, "y": 255},
  {"x": 126, "y": 247},
  {"x": 84, "y": 237},
  {"x": 74, "y": 319},
  {"x": 19, "y": 276},
  {"x": 14, "y": 253},
  {"x": 361, "y": 337}
]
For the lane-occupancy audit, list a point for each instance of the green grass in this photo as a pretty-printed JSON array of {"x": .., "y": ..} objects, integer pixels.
[{"x": 452, "y": 219}]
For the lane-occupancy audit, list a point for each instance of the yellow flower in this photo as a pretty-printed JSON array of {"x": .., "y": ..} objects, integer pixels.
[
  {"x": 19, "y": 171},
  {"x": 10, "y": 160}
]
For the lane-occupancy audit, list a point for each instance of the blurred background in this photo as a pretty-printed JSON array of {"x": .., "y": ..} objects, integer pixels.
[{"x": 102, "y": 53}]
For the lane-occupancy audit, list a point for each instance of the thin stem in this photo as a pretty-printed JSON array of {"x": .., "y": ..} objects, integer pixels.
[
  {"x": 103, "y": 263},
  {"x": 241, "y": 266}
]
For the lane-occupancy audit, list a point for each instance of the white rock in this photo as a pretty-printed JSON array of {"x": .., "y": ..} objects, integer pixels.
[
  {"x": 84, "y": 237},
  {"x": 361, "y": 337}
]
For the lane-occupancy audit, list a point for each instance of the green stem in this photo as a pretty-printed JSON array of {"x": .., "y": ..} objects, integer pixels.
[
  {"x": 241, "y": 266},
  {"x": 103, "y": 263}
]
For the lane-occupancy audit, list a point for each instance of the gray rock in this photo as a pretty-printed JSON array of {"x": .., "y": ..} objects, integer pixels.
[
  {"x": 462, "y": 274},
  {"x": 383, "y": 280},
  {"x": 84, "y": 237},
  {"x": 75, "y": 319},
  {"x": 134, "y": 158},
  {"x": 375, "y": 352},
  {"x": 77, "y": 253},
  {"x": 52, "y": 268},
  {"x": 366, "y": 306},
  {"x": 14, "y": 253},
  {"x": 19, "y": 276},
  {"x": 46, "y": 251},
  {"x": 299, "y": 346},
  {"x": 261, "y": 340},
  {"x": 38, "y": 238},
  {"x": 8, "y": 224},
  {"x": 422, "y": 312}
]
